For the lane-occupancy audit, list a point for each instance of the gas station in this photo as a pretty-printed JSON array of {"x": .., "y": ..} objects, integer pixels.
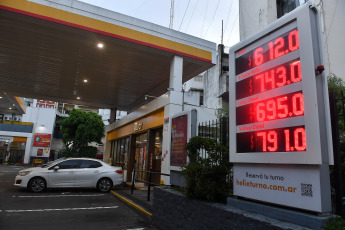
[{"x": 77, "y": 53}]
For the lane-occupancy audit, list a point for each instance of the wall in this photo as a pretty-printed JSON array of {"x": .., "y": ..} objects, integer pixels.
[
  {"x": 255, "y": 15},
  {"x": 44, "y": 122}
]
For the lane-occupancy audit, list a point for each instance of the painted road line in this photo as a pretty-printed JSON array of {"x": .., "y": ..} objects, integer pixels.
[
  {"x": 59, "y": 209},
  {"x": 131, "y": 204},
  {"x": 54, "y": 196}
]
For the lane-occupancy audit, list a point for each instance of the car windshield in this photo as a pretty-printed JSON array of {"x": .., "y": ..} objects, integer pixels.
[{"x": 50, "y": 163}]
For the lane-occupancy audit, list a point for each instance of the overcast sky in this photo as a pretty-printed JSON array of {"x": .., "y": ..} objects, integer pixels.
[{"x": 200, "y": 18}]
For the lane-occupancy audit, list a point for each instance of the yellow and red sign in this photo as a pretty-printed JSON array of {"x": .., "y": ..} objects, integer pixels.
[{"x": 42, "y": 139}]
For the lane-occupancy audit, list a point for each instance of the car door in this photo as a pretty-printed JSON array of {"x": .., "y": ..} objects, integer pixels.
[
  {"x": 65, "y": 175},
  {"x": 88, "y": 173}
]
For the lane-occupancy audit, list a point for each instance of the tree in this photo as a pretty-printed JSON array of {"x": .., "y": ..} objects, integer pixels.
[{"x": 79, "y": 129}]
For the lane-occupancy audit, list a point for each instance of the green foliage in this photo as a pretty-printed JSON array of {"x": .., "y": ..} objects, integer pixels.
[
  {"x": 80, "y": 129},
  {"x": 207, "y": 178},
  {"x": 88, "y": 151},
  {"x": 335, "y": 223},
  {"x": 337, "y": 86}
]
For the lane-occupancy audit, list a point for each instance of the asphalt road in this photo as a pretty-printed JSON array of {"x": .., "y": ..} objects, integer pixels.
[{"x": 62, "y": 209}]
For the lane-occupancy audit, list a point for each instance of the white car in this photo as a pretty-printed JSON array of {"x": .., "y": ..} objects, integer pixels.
[{"x": 70, "y": 172}]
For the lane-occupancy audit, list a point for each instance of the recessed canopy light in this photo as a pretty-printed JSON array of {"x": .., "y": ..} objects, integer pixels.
[
  {"x": 10, "y": 108},
  {"x": 100, "y": 45},
  {"x": 85, "y": 80},
  {"x": 78, "y": 98},
  {"x": 0, "y": 97}
]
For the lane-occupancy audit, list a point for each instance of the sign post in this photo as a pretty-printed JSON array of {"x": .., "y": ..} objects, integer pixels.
[{"x": 280, "y": 136}]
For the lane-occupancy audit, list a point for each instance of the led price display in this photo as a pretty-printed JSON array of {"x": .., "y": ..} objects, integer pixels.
[
  {"x": 279, "y": 76},
  {"x": 284, "y": 44},
  {"x": 277, "y": 140},
  {"x": 255, "y": 106},
  {"x": 284, "y": 106}
]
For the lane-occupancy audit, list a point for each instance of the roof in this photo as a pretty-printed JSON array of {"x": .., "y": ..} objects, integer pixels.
[{"x": 48, "y": 49}]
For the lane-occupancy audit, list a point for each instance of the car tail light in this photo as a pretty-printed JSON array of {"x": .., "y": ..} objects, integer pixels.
[{"x": 118, "y": 171}]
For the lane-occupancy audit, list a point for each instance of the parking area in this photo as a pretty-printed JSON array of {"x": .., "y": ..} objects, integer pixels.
[{"x": 61, "y": 208}]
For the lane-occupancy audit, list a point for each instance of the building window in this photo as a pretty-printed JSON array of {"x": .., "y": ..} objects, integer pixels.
[
  {"x": 198, "y": 78},
  {"x": 286, "y": 6},
  {"x": 201, "y": 98}
]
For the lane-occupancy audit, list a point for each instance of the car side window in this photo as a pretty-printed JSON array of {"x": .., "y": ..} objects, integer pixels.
[
  {"x": 69, "y": 164},
  {"x": 90, "y": 164}
]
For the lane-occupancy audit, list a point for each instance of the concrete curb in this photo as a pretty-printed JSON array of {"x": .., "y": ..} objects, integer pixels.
[{"x": 131, "y": 203}]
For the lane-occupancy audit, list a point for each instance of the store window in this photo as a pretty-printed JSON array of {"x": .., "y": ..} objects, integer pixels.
[{"x": 119, "y": 152}]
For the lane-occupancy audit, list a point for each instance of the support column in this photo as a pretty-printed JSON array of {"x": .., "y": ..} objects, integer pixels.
[
  {"x": 112, "y": 115},
  {"x": 174, "y": 106}
]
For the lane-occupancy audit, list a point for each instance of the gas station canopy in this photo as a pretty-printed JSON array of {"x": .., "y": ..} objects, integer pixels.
[{"x": 53, "y": 50}]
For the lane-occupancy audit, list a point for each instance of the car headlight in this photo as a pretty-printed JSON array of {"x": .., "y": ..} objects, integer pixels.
[{"x": 24, "y": 173}]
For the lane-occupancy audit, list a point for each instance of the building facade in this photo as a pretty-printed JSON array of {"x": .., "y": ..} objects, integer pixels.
[{"x": 255, "y": 15}]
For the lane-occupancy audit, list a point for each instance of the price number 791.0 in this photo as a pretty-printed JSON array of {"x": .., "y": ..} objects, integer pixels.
[{"x": 294, "y": 140}]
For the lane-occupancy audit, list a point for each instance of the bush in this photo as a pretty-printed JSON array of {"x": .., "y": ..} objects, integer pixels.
[
  {"x": 335, "y": 223},
  {"x": 207, "y": 178}
]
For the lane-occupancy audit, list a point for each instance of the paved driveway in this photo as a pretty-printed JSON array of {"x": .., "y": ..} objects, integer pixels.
[{"x": 61, "y": 209}]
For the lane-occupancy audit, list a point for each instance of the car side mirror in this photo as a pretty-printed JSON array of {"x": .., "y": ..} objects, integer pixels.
[{"x": 56, "y": 168}]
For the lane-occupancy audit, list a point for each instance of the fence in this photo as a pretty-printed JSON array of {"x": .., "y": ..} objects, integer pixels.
[{"x": 216, "y": 129}]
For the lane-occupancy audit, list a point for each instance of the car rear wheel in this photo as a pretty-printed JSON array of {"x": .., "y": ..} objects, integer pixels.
[
  {"x": 104, "y": 185},
  {"x": 37, "y": 184}
]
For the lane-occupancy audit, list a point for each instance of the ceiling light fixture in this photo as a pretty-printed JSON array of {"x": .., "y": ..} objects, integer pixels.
[
  {"x": 100, "y": 45},
  {"x": 78, "y": 98},
  {"x": 85, "y": 80}
]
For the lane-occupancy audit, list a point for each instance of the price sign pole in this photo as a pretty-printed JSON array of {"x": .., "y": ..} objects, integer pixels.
[{"x": 280, "y": 136}]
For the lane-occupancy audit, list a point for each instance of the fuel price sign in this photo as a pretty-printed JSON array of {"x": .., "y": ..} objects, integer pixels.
[{"x": 277, "y": 101}]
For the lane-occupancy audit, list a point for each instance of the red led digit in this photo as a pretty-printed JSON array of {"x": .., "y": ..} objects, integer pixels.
[
  {"x": 293, "y": 40},
  {"x": 295, "y": 69},
  {"x": 269, "y": 78},
  {"x": 272, "y": 138},
  {"x": 258, "y": 57},
  {"x": 283, "y": 107},
  {"x": 271, "y": 107},
  {"x": 260, "y": 77},
  {"x": 263, "y": 135},
  {"x": 279, "y": 45},
  {"x": 270, "y": 45},
  {"x": 260, "y": 111},
  {"x": 282, "y": 75},
  {"x": 287, "y": 140},
  {"x": 300, "y": 139},
  {"x": 297, "y": 104}
]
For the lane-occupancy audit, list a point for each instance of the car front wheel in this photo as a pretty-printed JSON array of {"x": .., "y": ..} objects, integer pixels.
[
  {"x": 104, "y": 185},
  {"x": 37, "y": 184}
]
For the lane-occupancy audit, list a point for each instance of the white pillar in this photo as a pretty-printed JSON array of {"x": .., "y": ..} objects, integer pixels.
[
  {"x": 28, "y": 149},
  {"x": 174, "y": 106}
]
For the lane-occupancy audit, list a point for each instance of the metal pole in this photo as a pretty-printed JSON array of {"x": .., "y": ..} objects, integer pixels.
[
  {"x": 149, "y": 187},
  {"x": 338, "y": 184},
  {"x": 133, "y": 176}
]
